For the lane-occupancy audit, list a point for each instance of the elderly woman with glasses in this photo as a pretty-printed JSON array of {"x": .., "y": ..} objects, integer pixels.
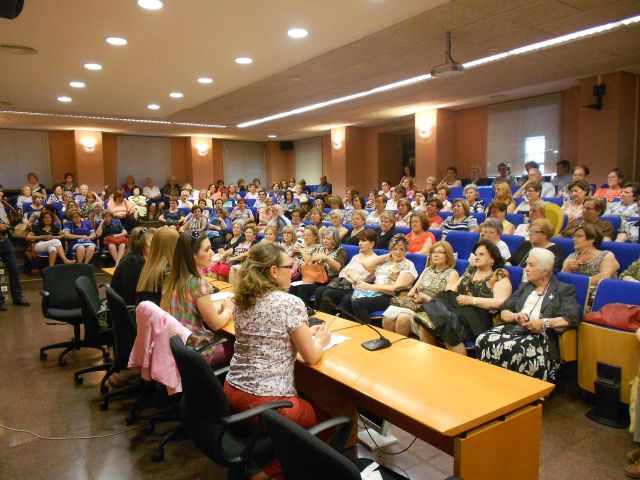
[
  {"x": 540, "y": 233},
  {"x": 439, "y": 275},
  {"x": 532, "y": 193},
  {"x": 331, "y": 257},
  {"x": 392, "y": 271},
  {"x": 526, "y": 342},
  {"x": 592, "y": 209},
  {"x": 588, "y": 259}
]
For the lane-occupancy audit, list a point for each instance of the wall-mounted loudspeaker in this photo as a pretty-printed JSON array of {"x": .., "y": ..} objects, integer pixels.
[
  {"x": 10, "y": 8},
  {"x": 286, "y": 145}
]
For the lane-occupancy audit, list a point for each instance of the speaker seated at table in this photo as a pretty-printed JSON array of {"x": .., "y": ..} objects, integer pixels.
[{"x": 606, "y": 345}]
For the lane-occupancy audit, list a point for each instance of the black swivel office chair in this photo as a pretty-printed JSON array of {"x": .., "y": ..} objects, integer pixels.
[
  {"x": 303, "y": 456},
  {"x": 124, "y": 334},
  {"x": 60, "y": 302},
  {"x": 205, "y": 412},
  {"x": 95, "y": 335}
]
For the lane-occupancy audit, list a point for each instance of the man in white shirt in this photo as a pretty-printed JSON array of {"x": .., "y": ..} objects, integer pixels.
[
  {"x": 262, "y": 200},
  {"x": 534, "y": 174},
  {"x": 183, "y": 201},
  {"x": 381, "y": 204}
]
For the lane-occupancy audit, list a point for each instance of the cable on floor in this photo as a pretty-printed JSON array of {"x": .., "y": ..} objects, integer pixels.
[
  {"x": 364, "y": 425},
  {"x": 89, "y": 437}
]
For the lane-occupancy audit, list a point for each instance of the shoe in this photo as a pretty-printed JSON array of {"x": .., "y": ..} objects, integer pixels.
[
  {"x": 21, "y": 302},
  {"x": 633, "y": 470},
  {"x": 633, "y": 455}
]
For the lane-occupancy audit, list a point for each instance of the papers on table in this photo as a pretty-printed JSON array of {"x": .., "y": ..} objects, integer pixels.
[
  {"x": 221, "y": 296},
  {"x": 335, "y": 340},
  {"x": 295, "y": 284}
]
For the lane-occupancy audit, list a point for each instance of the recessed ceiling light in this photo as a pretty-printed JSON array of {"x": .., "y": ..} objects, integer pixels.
[
  {"x": 75, "y": 84},
  {"x": 272, "y": 136},
  {"x": 244, "y": 60},
  {"x": 117, "y": 41},
  {"x": 297, "y": 33},
  {"x": 150, "y": 4},
  {"x": 153, "y": 106},
  {"x": 64, "y": 99},
  {"x": 93, "y": 66},
  {"x": 205, "y": 80},
  {"x": 176, "y": 95}
]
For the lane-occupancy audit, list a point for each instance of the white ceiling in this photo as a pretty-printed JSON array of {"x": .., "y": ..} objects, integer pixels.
[{"x": 353, "y": 45}]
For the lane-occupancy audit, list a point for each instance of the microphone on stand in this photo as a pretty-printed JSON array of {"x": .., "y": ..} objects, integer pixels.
[{"x": 371, "y": 345}]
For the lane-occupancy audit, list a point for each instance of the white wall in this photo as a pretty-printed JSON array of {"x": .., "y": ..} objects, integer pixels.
[
  {"x": 144, "y": 157},
  {"x": 308, "y": 154},
  {"x": 244, "y": 160},
  {"x": 21, "y": 152}
]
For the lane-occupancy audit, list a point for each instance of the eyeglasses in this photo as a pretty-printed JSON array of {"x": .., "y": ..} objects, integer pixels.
[
  {"x": 439, "y": 252},
  {"x": 578, "y": 235},
  {"x": 536, "y": 231}
]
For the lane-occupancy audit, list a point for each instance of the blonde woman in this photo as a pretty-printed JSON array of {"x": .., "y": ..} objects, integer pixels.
[
  {"x": 157, "y": 266},
  {"x": 439, "y": 274},
  {"x": 502, "y": 193}
]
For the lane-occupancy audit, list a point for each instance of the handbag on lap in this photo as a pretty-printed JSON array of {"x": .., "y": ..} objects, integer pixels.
[{"x": 314, "y": 273}]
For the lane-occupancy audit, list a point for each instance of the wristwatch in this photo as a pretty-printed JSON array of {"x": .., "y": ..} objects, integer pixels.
[{"x": 545, "y": 323}]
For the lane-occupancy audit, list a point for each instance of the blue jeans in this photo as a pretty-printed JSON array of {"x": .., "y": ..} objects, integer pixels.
[{"x": 8, "y": 255}]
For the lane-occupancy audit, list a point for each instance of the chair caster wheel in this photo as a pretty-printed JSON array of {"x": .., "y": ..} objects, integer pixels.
[
  {"x": 43, "y": 356},
  {"x": 157, "y": 457},
  {"x": 104, "y": 405},
  {"x": 104, "y": 389},
  {"x": 79, "y": 380}
]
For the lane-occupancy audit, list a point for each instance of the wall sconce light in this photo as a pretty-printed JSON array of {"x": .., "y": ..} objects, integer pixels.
[
  {"x": 425, "y": 129},
  {"x": 337, "y": 141},
  {"x": 89, "y": 144},
  {"x": 202, "y": 148}
]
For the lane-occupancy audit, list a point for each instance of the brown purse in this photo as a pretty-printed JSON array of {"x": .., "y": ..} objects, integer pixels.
[{"x": 314, "y": 273}]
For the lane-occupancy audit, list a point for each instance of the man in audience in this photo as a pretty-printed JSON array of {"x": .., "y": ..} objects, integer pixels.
[
  {"x": 491, "y": 230},
  {"x": 171, "y": 189},
  {"x": 475, "y": 173},
  {"x": 381, "y": 204},
  {"x": 261, "y": 202},
  {"x": 183, "y": 201},
  {"x": 8, "y": 256},
  {"x": 563, "y": 176},
  {"x": 535, "y": 176},
  {"x": 527, "y": 166},
  {"x": 398, "y": 193},
  {"x": 324, "y": 189}
]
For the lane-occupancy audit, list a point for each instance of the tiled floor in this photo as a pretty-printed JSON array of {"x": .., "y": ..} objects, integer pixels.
[{"x": 42, "y": 397}]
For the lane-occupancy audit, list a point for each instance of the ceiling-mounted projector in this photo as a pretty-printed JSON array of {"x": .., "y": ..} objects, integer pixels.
[{"x": 450, "y": 67}]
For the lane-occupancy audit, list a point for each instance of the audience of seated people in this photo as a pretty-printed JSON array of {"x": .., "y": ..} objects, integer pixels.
[{"x": 440, "y": 304}]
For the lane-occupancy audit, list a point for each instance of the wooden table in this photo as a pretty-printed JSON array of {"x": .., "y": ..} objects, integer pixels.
[
  {"x": 487, "y": 417},
  {"x": 109, "y": 271}
]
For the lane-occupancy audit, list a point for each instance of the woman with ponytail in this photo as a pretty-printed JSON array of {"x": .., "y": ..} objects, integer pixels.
[{"x": 186, "y": 296}]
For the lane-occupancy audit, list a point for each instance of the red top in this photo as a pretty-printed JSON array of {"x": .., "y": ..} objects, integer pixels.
[{"x": 417, "y": 242}]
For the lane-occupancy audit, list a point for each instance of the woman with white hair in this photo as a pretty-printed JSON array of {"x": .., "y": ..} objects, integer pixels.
[
  {"x": 472, "y": 195},
  {"x": 526, "y": 342}
]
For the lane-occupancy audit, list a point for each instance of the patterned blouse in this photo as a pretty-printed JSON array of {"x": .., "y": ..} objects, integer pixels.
[
  {"x": 632, "y": 230},
  {"x": 617, "y": 209},
  {"x": 432, "y": 281},
  {"x": 632, "y": 271},
  {"x": 338, "y": 255},
  {"x": 187, "y": 313},
  {"x": 466, "y": 224},
  {"x": 590, "y": 268},
  {"x": 265, "y": 356},
  {"x": 482, "y": 288}
]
